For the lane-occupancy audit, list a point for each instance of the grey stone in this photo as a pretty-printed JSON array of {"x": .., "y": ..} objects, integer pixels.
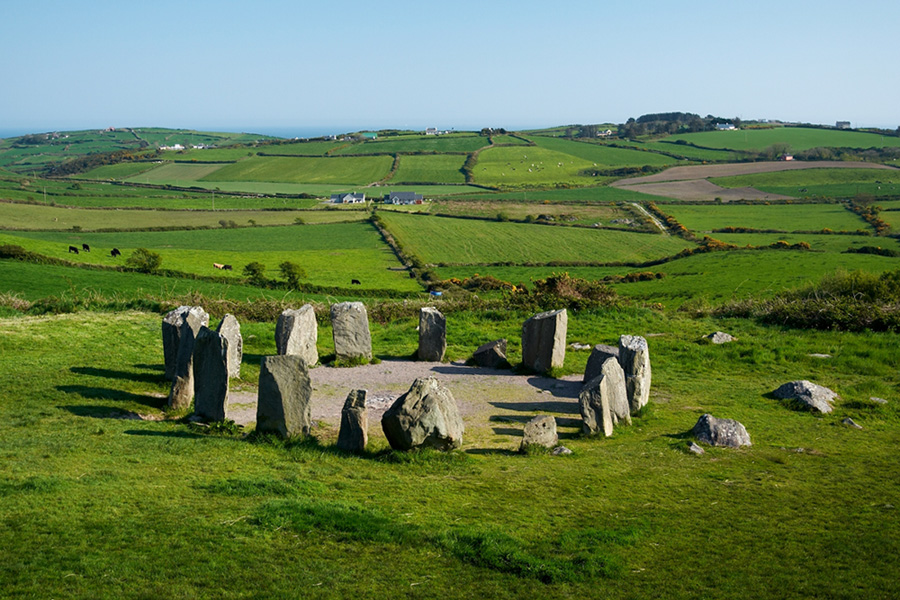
[
  {"x": 819, "y": 355},
  {"x": 806, "y": 395},
  {"x": 560, "y": 451},
  {"x": 491, "y": 355},
  {"x": 426, "y": 416},
  {"x": 230, "y": 329},
  {"x": 544, "y": 340},
  {"x": 182, "y": 391},
  {"x": 296, "y": 334},
  {"x": 598, "y": 356},
  {"x": 354, "y": 433},
  {"x": 720, "y": 337},
  {"x": 211, "y": 375},
  {"x": 604, "y": 401},
  {"x": 851, "y": 423},
  {"x": 284, "y": 396},
  {"x": 432, "y": 335},
  {"x": 720, "y": 432},
  {"x": 694, "y": 448},
  {"x": 350, "y": 326},
  {"x": 878, "y": 400},
  {"x": 540, "y": 431},
  {"x": 579, "y": 346},
  {"x": 634, "y": 356},
  {"x": 192, "y": 316}
]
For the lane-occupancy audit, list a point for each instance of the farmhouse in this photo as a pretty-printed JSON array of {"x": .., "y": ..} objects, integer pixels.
[
  {"x": 842, "y": 125},
  {"x": 726, "y": 127},
  {"x": 351, "y": 198},
  {"x": 403, "y": 198}
]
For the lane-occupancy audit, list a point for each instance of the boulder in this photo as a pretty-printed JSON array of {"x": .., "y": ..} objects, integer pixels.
[
  {"x": 540, "y": 431},
  {"x": 851, "y": 423},
  {"x": 634, "y": 356},
  {"x": 182, "y": 391},
  {"x": 695, "y": 449},
  {"x": 211, "y": 375},
  {"x": 603, "y": 400},
  {"x": 720, "y": 337},
  {"x": 432, "y": 335},
  {"x": 354, "y": 432},
  {"x": 598, "y": 356},
  {"x": 491, "y": 355},
  {"x": 806, "y": 395},
  {"x": 720, "y": 432},
  {"x": 544, "y": 340},
  {"x": 560, "y": 451},
  {"x": 192, "y": 316},
  {"x": 296, "y": 334},
  {"x": 230, "y": 329},
  {"x": 284, "y": 396},
  {"x": 426, "y": 416},
  {"x": 350, "y": 326}
]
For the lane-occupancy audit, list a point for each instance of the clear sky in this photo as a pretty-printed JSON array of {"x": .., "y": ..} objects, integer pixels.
[{"x": 352, "y": 64}]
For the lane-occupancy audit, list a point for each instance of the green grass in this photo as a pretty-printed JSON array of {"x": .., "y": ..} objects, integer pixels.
[
  {"x": 604, "y": 156},
  {"x": 689, "y": 152},
  {"x": 508, "y": 139},
  {"x": 317, "y": 148},
  {"x": 437, "y": 169},
  {"x": 826, "y": 243},
  {"x": 448, "y": 240},
  {"x": 832, "y": 183},
  {"x": 783, "y": 217},
  {"x": 585, "y": 194},
  {"x": 529, "y": 166},
  {"x": 798, "y": 138},
  {"x": 431, "y": 143},
  {"x": 186, "y": 173},
  {"x": 581, "y": 214},
  {"x": 350, "y": 170},
  {"x": 120, "y": 171}
]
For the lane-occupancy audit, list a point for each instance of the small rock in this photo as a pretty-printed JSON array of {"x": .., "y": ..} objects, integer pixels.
[
  {"x": 540, "y": 431},
  {"x": 878, "y": 400},
  {"x": 720, "y": 337},
  {"x": 721, "y": 432},
  {"x": 577, "y": 346},
  {"x": 807, "y": 395},
  {"x": 851, "y": 423},
  {"x": 560, "y": 451},
  {"x": 693, "y": 447},
  {"x": 491, "y": 355},
  {"x": 817, "y": 355}
]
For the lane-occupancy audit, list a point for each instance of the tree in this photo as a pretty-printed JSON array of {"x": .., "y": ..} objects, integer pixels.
[
  {"x": 292, "y": 273},
  {"x": 143, "y": 260},
  {"x": 255, "y": 272}
]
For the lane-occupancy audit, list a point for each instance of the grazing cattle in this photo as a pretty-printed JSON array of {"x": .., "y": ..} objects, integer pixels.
[
  {"x": 227, "y": 267},
  {"x": 218, "y": 266},
  {"x": 355, "y": 282},
  {"x": 73, "y": 249},
  {"x": 85, "y": 247},
  {"x": 114, "y": 252}
]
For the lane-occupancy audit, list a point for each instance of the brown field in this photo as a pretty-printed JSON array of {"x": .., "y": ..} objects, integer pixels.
[
  {"x": 728, "y": 170},
  {"x": 701, "y": 189}
]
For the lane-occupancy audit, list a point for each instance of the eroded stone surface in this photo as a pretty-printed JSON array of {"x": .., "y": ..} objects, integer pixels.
[
  {"x": 807, "y": 395},
  {"x": 425, "y": 416},
  {"x": 604, "y": 401},
  {"x": 544, "y": 340},
  {"x": 297, "y": 332},
  {"x": 192, "y": 316},
  {"x": 350, "y": 327},
  {"x": 211, "y": 375},
  {"x": 491, "y": 355},
  {"x": 720, "y": 337},
  {"x": 598, "y": 356},
  {"x": 721, "y": 432},
  {"x": 354, "y": 432},
  {"x": 634, "y": 357},
  {"x": 540, "y": 431},
  {"x": 284, "y": 396},
  {"x": 432, "y": 335},
  {"x": 230, "y": 329}
]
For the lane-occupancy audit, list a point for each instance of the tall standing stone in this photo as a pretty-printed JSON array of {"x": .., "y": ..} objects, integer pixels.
[
  {"x": 598, "y": 356},
  {"x": 230, "y": 329},
  {"x": 350, "y": 326},
  {"x": 634, "y": 356},
  {"x": 544, "y": 340},
  {"x": 425, "y": 416},
  {"x": 182, "y": 391},
  {"x": 284, "y": 396},
  {"x": 354, "y": 434},
  {"x": 604, "y": 401},
  {"x": 432, "y": 335},
  {"x": 296, "y": 333},
  {"x": 192, "y": 316},
  {"x": 211, "y": 375}
]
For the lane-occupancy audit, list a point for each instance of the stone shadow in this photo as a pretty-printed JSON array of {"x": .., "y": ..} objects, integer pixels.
[
  {"x": 150, "y": 367},
  {"x": 552, "y": 406},
  {"x": 467, "y": 370},
  {"x": 559, "y": 388},
  {"x": 102, "y": 412},
  {"x": 98, "y": 393},
  {"x": 175, "y": 434},
  {"x": 112, "y": 374}
]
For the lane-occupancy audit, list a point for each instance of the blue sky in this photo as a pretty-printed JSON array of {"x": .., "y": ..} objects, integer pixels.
[{"x": 348, "y": 64}]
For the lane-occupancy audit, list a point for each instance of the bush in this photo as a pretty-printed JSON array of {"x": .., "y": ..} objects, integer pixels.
[
  {"x": 143, "y": 260},
  {"x": 255, "y": 272},
  {"x": 292, "y": 273}
]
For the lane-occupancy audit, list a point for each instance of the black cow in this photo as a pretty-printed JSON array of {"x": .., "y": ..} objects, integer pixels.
[
  {"x": 85, "y": 247},
  {"x": 355, "y": 282},
  {"x": 227, "y": 268},
  {"x": 73, "y": 249},
  {"x": 115, "y": 252}
]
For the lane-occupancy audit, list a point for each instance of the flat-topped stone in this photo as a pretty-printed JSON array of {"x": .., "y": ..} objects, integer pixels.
[
  {"x": 297, "y": 332},
  {"x": 284, "y": 407},
  {"x": 432, "y": 335},
  {"x": 350, "y": 327},
  {"x": 544, "y": 340}
]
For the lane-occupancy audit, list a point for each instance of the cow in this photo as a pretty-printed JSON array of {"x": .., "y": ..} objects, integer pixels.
[
  {"x": 355, "y": 282},
  {"x": 227, "y": 267},
  {"x": 73, "y": 249},
  {"x": 115, "y": 252},
  {"x": 85, "y": 247},
  {"x": 218, "y": 266}
]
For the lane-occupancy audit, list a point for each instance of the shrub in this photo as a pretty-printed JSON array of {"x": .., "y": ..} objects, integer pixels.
[
  {"x": 255, "y": 272},
  {"x": 292, "y": 273},
  {"x": 143, "y": 260}
]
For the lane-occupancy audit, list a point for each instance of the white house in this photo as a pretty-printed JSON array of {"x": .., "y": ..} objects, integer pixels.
[
  {"x": 403, "y": 198},
  {"x": 725, "y": 126},
  {"x": 351, "y": 198}
]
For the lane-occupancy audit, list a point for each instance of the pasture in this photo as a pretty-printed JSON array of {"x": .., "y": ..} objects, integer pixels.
[
  {"x": 826, "y": 182},
  {"x": 430, "y": 169},
  {"x": 819, "y": 242},
  {"x": 457, "y": 144},
  {"x": 279, "y": 169},
  {"x": 316, "y": 148},
  {"x": 604, "y": 156},
  {"x": 520, "y": 166},
  {"x": 119, "y": 171},
  {"x": 781, "y": 217},
  {"x": 580, "y": 214},
  {"x": 181, "y": 174},
  {"x": 797, "y": 138}
]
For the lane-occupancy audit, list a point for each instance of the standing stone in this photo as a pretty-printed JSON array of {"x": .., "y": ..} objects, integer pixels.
[
  {"x": 491, "y": 355},
  {"x": 806, "y": 395},
  {"x": 540, "y": 431},
  {"x": 634, "y": 356},
  {"x": 720, "y": 432},
  {"x": 284, "y": 396},
  {"x": 426, "y": 416},
  {"x": 544, "y": 340},
  {"x": 182, "y": 391},
  {"x": 598, "y": 356},
  {"x": 296, "y": 333},
  {"x": 192, "y": 316},
  {"x": 211, "y": 375},
  {"x": 350, "y": 326},
  {"x": 432, "y": 335},
  {"x": 230, "y": 329},
  {"x": 354, "y": 434},
  {"x": 604, "y": 401}
]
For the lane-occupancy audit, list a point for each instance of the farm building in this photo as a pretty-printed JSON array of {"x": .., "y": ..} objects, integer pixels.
[
  {"x": 403, "y": 198},
  {"x": 351, "y": 198},
  {"x": 842, "y": 124},
  {"x": 369, "y": 135},
  {"x": 726, "y": 127}
]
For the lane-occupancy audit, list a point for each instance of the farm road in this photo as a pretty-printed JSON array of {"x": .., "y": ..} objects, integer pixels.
[{"x": 650, "y": 216}]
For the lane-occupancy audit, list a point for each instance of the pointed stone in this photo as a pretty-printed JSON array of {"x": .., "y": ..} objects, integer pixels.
[
  {"x": 491, "y": 355},
  {"x": 192, "y": 316},
  {"x": 598, "y": 356},
  {"x": 354, "y": 434},
  {"x": 211, "y": 375},
  {"x": 181, "y": 394},
  {"x": 634, "y": 357},
  {"x": 603, "y": 400},
  {"x": 432, "y": 335},
  {"x": 230, "y": 329},
  {"x": 296, "y": 334}
]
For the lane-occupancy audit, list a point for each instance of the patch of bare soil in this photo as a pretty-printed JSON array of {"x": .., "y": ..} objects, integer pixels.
[
  {"x": 701, "y": 189},
  {"x": 727, "y": 170}
]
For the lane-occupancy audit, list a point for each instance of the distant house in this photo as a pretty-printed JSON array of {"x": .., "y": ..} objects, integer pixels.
[
  {"x": 351, "y": 198},
  {"x": 786, "y": 157},
  {"x": 403, "y": 198},
  {"x": 842, "y": 124},
  {"x": 606, "y": 133},
  {"x": 725, "y": 126},
  {"x": 431, "y": 131},
  {"x": 369, "y": 135}
]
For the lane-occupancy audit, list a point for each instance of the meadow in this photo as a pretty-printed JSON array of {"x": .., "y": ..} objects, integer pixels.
[
  {"x": 604, "y": 156},
  {"x": 430, "y": 169},
  {"x": 277, "y": 169},
  {"x": 797, "y": 138},
  {"x": 458, "y": 144},
  {"x": 580, "y": 214},
  {"x": 781, "y": 217},
  {"x": 513, "y": 166},
  {"x": 828, "y": 183}
]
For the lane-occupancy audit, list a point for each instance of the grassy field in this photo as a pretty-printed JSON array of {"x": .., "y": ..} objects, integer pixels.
[
  {"x": 689, "y": 152},
  {"x": 582, "y": 214},
  {"x": 317, "y": 148},
  {"x": 798, "y": 138},
  {"x": 825, "y": 243},
  {"x": 508, "y": 140},
  {"x": 604, "y": 156},
  {"x": 529, "y": 166},
  {"x": 183, "y": 173},
  {"x": 782, "y": 217},
  {"x": 350, "y": 170},
  {"x": 474, "y": 242},
  {"x": 431, "y": 143},
  {"x": 831, "y": 183},
  {"x": 120, "y": 171},
  {"x": 436, "y": 169}
]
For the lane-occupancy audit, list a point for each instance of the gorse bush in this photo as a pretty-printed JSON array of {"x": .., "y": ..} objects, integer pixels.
[{"x": 143, "y": 260}]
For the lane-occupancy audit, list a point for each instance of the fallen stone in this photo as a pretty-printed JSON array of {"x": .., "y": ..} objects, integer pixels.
[
  {"x": 598, "y": 356},
  {"x": 817, "y": 355},
  {"x": 491, "y": 355},
  {"x": 693, "y": 447},
  {"x": 540, "y": 431},
  {"x": 560, "y": 451},
  {"x": 720, "y": 337},
  {"x": 192, "y": 316},
  {"x": 284, "y": 397},
  {"x": 603, "y": 400},
  {"x": 576, "y": 346},
  {"x": 296, "y": 334},
  {"x": 354, "y": 432},
  {"x": 432, "y": 335},
  {"x": 806, "y": 395},
  {"x": 211, "y": 375},
  {"x": 851, "y": 423},
  {"x": 634, "y": 356},
  {"x": 426, "y": 416},
  {"x": 544, "y": 340},
  {"x": 720, "y": 432},
  {"x": 230, "y": 329},
  {"x": 350, "y": 328},
  {"x": 878, "y": 400}
]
